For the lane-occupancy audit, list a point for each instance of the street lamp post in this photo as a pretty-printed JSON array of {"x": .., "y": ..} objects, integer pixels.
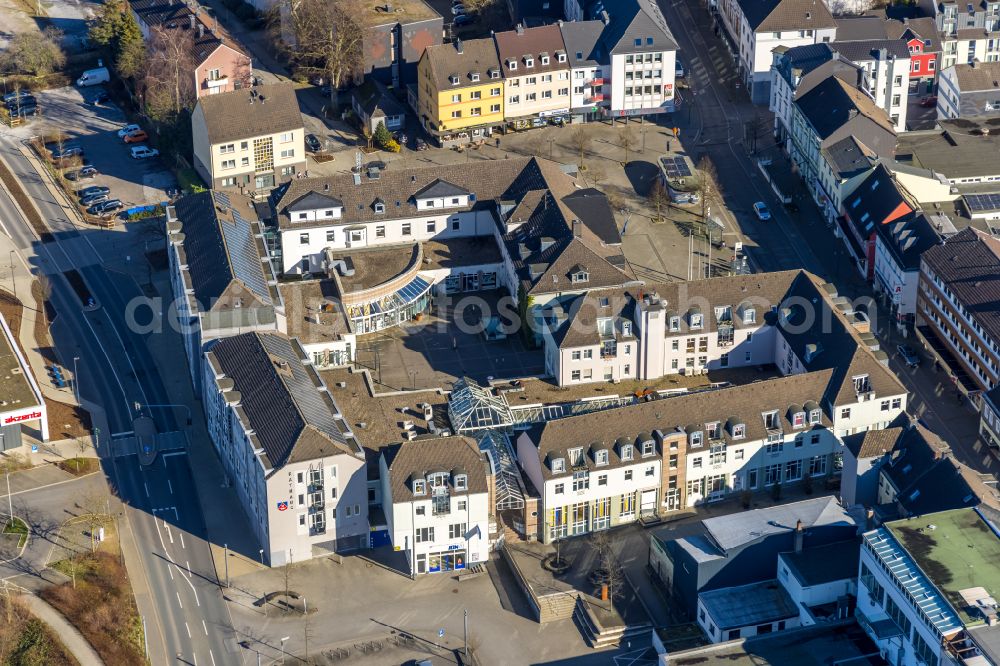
[
  {"x": 283, "y": 648},
  {"x": 13, "y": 282}
]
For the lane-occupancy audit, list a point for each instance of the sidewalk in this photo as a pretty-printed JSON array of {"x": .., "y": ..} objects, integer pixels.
[{"x": 67, "y": 633}]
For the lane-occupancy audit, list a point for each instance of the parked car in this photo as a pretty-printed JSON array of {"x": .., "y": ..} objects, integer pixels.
[
  {"x": 24, "y": 100},
  {"x": 678, "y": 69},
  {"x": 763, "y": 214},
  {"x": 105, "y": 207},
  {"x": 143, "y": 152},
  {"x": 128, "y": 129},
  {"x": 539, "y": 122},
  {"x": 96, "y": 198},
  {"x": 401, "y": 138},
  {"x": 23, "y": 111},
  {"x": 100, "y": 98},
  {"x": 137, "y": 136},
  {"x": 23, "y": 92},
  {"x": 909, "y": 356},
  {"x": 85, "y": 172},
  {"x": 464, "y": 19},
  {"x": 928, "y": 100},
  {"x": 420, "y": 144},
  {"x": 457, "y": 9},
  {"x": 313, "y": 143},
  {"x": 93, "y": 189},
  {"x": 68, "y": 150}
]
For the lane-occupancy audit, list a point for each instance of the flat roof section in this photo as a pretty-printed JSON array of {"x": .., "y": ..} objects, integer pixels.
[
  {"x": 957, "y": 550},
  {"x": 16, "y": 391},
  {"x": 374, "y": 12},
  {"x": 749, "y": 605}
]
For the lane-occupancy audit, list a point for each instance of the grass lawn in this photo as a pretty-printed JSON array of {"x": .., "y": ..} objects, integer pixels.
[
  {"x": 101, "y": 606},
  {"x": 79, "y": 466},
  {"x": 17, "y": 526},
  {"x": 26, "y": 640}
]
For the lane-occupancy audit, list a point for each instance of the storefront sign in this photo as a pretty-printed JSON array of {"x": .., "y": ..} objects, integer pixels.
[{"x": 18, "y": 418}]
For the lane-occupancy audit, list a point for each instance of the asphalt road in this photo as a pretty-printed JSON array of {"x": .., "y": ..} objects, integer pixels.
[{"x": 186, "y": 616}]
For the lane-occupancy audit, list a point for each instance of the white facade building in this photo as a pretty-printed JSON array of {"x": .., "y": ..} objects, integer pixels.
[
  {"x": 436, "y": 494},
  {"x": 297, "y": 471}
]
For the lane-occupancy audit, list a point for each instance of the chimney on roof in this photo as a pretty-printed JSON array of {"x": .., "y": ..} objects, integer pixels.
[
  {"x": 799, "y": 536},
  {"x": 604, "y": 17},
  {"x": 194, "y": 20},
  {"x": 458, "y": 45},
  {"x": 520, "y": 28},
  {"x": 869, "y": 519},
  {"x": 577, "y": 228},
  {"x": 201, "y": 30}
]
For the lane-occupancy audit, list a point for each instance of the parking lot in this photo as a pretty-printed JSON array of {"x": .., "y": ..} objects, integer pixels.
[{"x": 94, "y": 129}]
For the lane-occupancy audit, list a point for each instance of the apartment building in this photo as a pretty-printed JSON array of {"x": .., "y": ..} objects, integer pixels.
[
  {"x": 293, "y": 461},
  {"x": 919, "y": 602},
  {"x": 460, "y": 89},
  {"x": 887, "y": 73},
  {"x": 969, "y": 90},
  {"x": 924, "y": 45},
  {"x": 831, "y": 111},
  {"x": 536, "y": 74},
  {"x": 755, "y": 28},
  {"x": 437, "y": 499},
  {"x": 220, "y": 65},
  {"x": 954, "y": 308},
  {"x": 582, "y": 40},
  {"x": 221, "y": 280},
  {"x": 968, "y": 31},
  {"x": 249, "y": 140}
]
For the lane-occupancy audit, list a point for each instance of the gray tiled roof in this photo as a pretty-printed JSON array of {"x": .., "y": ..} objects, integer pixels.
[
  {"x": 440, "y": 188},
  {"x": 778, "y": 15},
  {"x": 477, "y": 56},
  {"x": 738, "y": 529},
  {"x": 833, "y": 103},
  {"x": 969, "y": 265},
  {"x": 583, "y": 38},
  {"x": 631, "y": 20},
  {"x": 953, "y": 152},
  {"x": 978, "y": 77},
  {"x": 870, "y": 49},
  {"x": 922, "y": 28},
  {"x": 848, "y": 157},
  {"x": 221, "y": 245},
  {"x": 231, "y": 116},
  {"x": 592, "y": 208},
  {"x": 850, "y": 28},
  {"x": 417, "y": 458},
  {"x": 293, "y": 420},
  {"x": 314, "y": 201}
]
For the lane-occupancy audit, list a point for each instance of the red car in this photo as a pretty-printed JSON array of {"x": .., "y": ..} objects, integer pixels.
[
  {"x": 929, "y": 100},
  {"x": 136, "y": 136}
]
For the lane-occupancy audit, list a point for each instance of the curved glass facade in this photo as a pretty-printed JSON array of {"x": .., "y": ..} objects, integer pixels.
[{"x": 392, "y": 310}]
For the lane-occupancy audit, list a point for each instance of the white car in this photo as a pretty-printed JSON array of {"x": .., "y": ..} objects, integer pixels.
[
  {"x": 142, "y": 152},
  {"x": 763, "y": 214},
  {"x": 128, "y": 129}
]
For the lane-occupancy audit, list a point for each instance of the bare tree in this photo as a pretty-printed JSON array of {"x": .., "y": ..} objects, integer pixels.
[
  {"x": 329, "y": 39},
  {"x": 611, "y": 571},
  {"x": 627, "y": 138},
  {"x": 659, "y": 198},
  {"x": 167, "y": 84},
  {"x": 580, "y": 139},
  {"x": 707, "y": 174},
  {"x": 94, "y": 513}
]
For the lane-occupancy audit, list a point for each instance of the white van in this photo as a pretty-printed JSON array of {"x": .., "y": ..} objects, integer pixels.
[
  {"x": 143, "y": 152},
  {"x": 93, "y": 76}
]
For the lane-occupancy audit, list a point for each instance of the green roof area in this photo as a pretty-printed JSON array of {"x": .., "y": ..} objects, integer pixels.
[{"x": 956, "y": 550}]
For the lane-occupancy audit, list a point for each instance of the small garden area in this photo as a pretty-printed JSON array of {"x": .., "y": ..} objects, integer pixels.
[
  {"x": 18, "y": 527},
  {"x": 98, "y": 601},
  {"x": 79, "y": 466},
  {"x": 27, "y": 641}
]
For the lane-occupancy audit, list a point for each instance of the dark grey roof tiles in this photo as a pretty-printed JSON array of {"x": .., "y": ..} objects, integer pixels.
[{"x": 871, "y": 49}]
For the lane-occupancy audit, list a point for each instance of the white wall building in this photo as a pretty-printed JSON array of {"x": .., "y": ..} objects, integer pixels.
[
  {"x": 297, "y": 470},
  {"x": 436, "y": 494},
  {"x": 887, "y": 73}
]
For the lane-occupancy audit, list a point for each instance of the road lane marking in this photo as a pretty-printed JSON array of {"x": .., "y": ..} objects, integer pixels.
[
  {"x": 205, "y": 627},
  {"x": 170, "y": 487},
  {"x": 179, "y": 600},
  {"x": 212, "y": 656},
  {"x": 188, "y": 629},
  {"x": 144, "y": 485},
  {"x": 169, "y": 533},
  {"x": 181, "y": 534},
  {"x": 171, "y": 573},
  {"x": 173, "y": 453},
  {"x": 116, "y": 435}
]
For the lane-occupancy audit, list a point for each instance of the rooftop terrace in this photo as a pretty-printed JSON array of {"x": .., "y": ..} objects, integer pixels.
[
  {"x": 956, "y": 550},
  {"x": 373, "y": 12}
]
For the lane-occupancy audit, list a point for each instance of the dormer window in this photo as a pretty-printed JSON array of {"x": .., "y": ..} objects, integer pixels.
[
  {"x": 798, "y": 419},
  {"x": 696, "y": 321},
  {"x": 695, "y": 438},
  {"x": 627, "y": 452},
  {"x": 418, "y": 487},
  {"x": 739, "y": 431},
  {"x": 379, "y": 207},
  {"x": 576, "y": 458},
  {"x": 601, "y": 457},
  {"x": 862, "y": 384},
  {"x": 771, "y": 420},
  {"x": 512, "y": 65},
  {"x": 815, "y": 416},
  {"x": 724, "y": 313},
  {"x": 529, "y": 62},
  {"x": 675, "y": 323},
  {"x": 494, "y": 74},
  {"x": 580, "y": 276},
  {"x": 627, "y": 329},
  {"x": 544, "y": 59},
  {"x": 474, "y": 76},
  {"x": 604, "y": 301},
  {"x": 461, "y": 482},
  {"x": 558, "y": 465},
  {"x": 303, "y": 216},
  {"x": 453, "y": 79},
  {"x": 647, "y": 449},
  {"x": 749, "y": 316},
  {"x": 561, "y": 57},
  {"x": 713, "y": 430}
]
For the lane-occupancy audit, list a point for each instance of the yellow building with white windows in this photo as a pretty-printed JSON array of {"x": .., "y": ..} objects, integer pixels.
[{"x": 460, "y": 90}]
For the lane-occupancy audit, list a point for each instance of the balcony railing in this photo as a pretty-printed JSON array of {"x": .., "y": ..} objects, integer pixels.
[
  {"x": 441, "y": 504},
  {"x": 596, "y": 97},
  {"x": 596, "y": 82}
]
